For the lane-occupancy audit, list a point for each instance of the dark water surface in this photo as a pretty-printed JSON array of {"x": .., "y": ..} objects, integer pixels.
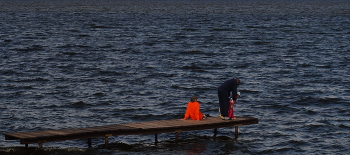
[{"x": 73, "y": 64}]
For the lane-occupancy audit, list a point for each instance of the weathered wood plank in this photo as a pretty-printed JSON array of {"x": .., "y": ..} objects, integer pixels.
[{"x": 148, "y": 125}]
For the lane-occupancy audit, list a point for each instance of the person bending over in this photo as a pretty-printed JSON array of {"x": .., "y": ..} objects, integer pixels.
[{"x": 224, "y": 91}]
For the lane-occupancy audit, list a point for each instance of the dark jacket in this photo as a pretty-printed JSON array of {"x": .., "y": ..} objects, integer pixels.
[{"x": 230, "y": 86}]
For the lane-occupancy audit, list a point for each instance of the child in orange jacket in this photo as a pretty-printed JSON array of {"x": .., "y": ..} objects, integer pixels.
[{"x": 193, "y": 110}]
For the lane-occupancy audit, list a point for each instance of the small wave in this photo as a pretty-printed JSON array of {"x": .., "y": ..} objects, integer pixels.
[
  {"x": 31, "y": 48},
  {"x": 78, "y": 105},
  {"x": 153, "y": 74},
  {"x": 99, "y": 94},
  {"x": 27, "y": 79},
  {"x": 344, "y": 126},
  {"x": 83, "y": 35},
  {"x": 192, "y": 52},
  {"x": 189, "y": 29},
  {"x": 221, "y": 29},
  {"x": 98, "y": 26},
  {"x": 67, "y": 46},
  {"x": 69, "y": 53},
  {"x": 330, "y": 100},
  {"x": 315, "y": 127},
  {"x": 110, "y": 73},
  {"x": 305, "y": 100},
  {"x": 8, "y": 40},
  {"x": 261, "y": 42},
  {"x": 191, "y": 66}
]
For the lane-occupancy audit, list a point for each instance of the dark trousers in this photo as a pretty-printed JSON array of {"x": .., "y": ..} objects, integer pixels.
[{"x": 223, "y": 102}]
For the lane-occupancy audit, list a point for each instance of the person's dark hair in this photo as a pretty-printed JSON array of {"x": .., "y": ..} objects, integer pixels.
[
  {"x": 238, "y": 81},
  {"x": 193, "y": 98}
]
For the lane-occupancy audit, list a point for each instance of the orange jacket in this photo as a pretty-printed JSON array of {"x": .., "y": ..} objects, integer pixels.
[{"x": 193, "y": 111}]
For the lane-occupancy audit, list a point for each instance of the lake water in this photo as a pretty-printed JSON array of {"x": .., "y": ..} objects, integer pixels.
[{"x": 74, "y": 64}]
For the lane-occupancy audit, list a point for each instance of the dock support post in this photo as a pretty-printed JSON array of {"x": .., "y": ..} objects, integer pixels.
[
  {"x": 26, "y": 145},
  {"x": 236, "y": 132},
  {"x": 89, "y": 143},
  {"x": 40, "y": 145},
  {"x": 156, "y": 138},
  {"x": 177, "y": 136},
  {"x": 106, "y": 139},
  {"x": 215, "y": 131}
]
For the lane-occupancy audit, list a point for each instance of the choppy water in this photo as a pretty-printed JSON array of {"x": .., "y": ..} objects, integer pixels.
[{"x": 72, "y": 64}]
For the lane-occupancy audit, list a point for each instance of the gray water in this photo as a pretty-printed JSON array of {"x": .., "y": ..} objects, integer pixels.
[{"x": 74, "y": 64}]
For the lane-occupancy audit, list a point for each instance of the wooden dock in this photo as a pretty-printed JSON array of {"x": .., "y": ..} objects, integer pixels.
[{"x": 137, "y": 128}]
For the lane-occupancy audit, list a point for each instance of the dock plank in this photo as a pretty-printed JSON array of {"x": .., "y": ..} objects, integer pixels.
[{"x": 148, "y": 125}]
